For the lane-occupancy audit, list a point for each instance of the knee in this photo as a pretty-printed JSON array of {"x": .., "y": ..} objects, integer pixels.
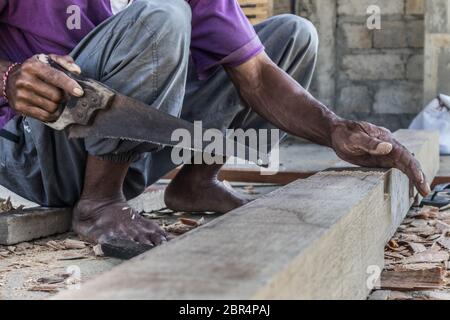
[
  {"x": 168, "y": 17},
  {"x": 299, "y": 30}
]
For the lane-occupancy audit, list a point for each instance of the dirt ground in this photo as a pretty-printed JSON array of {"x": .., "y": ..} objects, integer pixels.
[{"x": 40, "y": 269}]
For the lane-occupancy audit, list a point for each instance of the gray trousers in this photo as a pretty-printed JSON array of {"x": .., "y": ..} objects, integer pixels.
[{"x": 143, "y": 52}]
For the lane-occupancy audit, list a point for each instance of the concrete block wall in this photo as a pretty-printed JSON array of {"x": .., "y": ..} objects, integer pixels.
[{"x": 373, "y": 75}]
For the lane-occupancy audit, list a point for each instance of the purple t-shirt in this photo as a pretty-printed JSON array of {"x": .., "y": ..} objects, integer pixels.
[{"x": 221, "y": 34}]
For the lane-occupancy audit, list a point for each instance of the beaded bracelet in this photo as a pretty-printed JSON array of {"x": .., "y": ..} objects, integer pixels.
[{"x": 5, "y": 78}]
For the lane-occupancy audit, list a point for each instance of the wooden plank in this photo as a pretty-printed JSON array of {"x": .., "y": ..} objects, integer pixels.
[{"x": 313, "y": 239}]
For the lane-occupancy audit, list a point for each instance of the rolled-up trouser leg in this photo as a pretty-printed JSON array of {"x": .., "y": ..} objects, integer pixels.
[
  {"x": 141, "y": 52},
  {"x": 290, "y": 41}
]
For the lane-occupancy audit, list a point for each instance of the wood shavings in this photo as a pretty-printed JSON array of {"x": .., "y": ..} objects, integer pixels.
[
  {"x": 429, "y": 256},
  {"x": 423, "y": 265},
  {"x": 183, "y": 225}
]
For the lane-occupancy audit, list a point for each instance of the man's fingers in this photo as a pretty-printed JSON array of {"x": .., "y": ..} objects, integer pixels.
[
  {"x": 60, "y": 80},
  {"x": 47, "y": 91},
  {"x": 373, "y": 146},
  {"x": 411, "y": 167},
  {"x": 421, "y": 184},
  {"x": 66, "y": 62},
  {"x": 41, "y": 102},
  {"x": 38, "y": 113}
]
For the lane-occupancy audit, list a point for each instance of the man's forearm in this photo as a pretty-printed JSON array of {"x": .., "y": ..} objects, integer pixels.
[{"x": 278, "y": 98}]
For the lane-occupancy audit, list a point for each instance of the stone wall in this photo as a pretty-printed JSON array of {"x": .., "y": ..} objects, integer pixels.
[{"x": 374, "y": 75}]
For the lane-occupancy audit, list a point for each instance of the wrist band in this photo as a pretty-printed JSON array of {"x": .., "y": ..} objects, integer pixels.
[{"x": 5, "y": 78}]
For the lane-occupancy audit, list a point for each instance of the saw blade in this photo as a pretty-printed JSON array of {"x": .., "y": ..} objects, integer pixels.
[{"x": 130, "y": 119}]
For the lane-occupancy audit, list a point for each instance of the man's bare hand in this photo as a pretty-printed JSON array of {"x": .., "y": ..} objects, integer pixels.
[
  {"x": 35, "y": 89},
  {"x": 367, "y": 145}
]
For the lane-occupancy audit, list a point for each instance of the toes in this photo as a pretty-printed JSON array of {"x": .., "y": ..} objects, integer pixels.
[{"x": 144, "y": 239}]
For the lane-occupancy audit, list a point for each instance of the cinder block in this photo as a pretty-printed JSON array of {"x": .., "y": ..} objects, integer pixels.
[
  {"x": 357, "y": 36},
  {"x": 415, "y": 33},
  {"x": 415, "y": 7},
  {"x": 391, "y": 35},
  {"x": 359, "y": 7},
  {"x": 414, "y": 67},
  {"x": 374, "y": 67},
  {"x": 399, "y": 98},
  {"x": 354, "y": 99},
  {"x": 34, "y": 223},
  {"x": 437, "y": 16}
]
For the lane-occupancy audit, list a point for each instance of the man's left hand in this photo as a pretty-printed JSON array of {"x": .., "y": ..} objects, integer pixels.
[{"x": 367, "y": 145}]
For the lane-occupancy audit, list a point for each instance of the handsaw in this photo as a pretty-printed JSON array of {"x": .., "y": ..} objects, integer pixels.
[{"x": 104, "y": 113}]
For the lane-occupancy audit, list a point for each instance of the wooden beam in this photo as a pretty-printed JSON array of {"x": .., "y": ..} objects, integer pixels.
[{"x": 316, "y": 238}]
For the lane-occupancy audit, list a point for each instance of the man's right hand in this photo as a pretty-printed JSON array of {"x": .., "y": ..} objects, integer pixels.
[{"x": 35, "y": 89}]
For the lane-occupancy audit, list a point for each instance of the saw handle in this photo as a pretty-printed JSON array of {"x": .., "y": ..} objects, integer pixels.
[{"x": 81, "y": 110}]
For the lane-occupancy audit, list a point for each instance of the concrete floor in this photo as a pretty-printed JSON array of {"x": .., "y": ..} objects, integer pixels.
[{"x": 20, "y": 271}]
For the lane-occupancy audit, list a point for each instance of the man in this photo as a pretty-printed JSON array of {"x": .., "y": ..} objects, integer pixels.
[{"x": 199, "y": 60}]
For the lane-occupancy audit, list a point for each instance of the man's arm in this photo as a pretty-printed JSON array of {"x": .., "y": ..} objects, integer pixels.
[{"x": 278, "y": 98}]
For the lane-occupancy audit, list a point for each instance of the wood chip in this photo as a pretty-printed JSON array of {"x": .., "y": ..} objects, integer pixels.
[
  {"x": 444, "y": 242},
  {"x": 419, "y": 223},
  {"x": 55, "y": 245},
  {"x": 442, "y": 226},
  {"x": 189, "y": 222},
  {"x": 417, "y": 247},
  {"x": 98, "y": 250},
  {"x": 407, "y": 279},
  {"x": 53, "y": 279},
  {"x": 411, "y": 237},
  {"x": 394, "y": 255},
  {"x": 423, "y": 231},
  {"x": 70, "y": 244},
  {"x": 393, "y": 244},
  {"x": 73, "y": 257},
  {"x": 45, "y": 288},
  {"x": 428, "y": 256}
]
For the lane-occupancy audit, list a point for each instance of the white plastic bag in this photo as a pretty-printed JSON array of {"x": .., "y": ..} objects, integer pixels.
[{"x": 436, "y": 117}]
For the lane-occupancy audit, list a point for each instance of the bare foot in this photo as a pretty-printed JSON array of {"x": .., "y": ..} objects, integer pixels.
[
  {"x": 191, "y": 192},
  {"x": 99, "y": 221}
]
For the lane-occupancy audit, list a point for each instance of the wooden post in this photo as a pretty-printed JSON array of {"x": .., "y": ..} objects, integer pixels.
[{"x": 318, "y": 238}]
